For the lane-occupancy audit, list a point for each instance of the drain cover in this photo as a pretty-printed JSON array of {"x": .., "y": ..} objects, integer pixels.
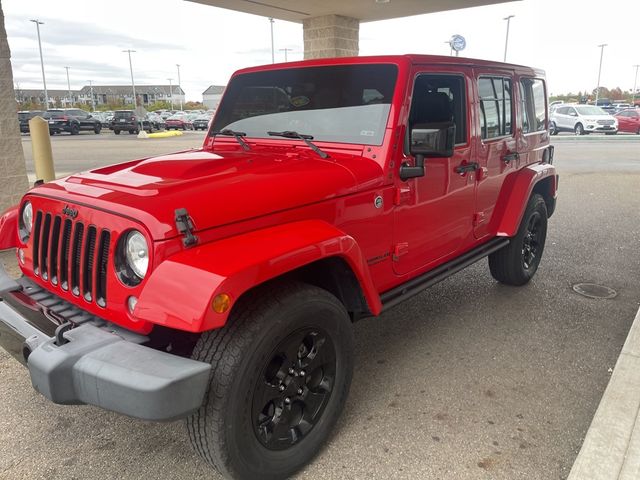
[{"x": 593, "y": 290}]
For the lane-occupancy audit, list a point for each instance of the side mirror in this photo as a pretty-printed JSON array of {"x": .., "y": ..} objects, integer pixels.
[{"x": 428, "y": 140}]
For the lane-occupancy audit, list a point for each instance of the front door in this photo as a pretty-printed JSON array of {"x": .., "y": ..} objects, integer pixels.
[{"x": 433, "y": 215}]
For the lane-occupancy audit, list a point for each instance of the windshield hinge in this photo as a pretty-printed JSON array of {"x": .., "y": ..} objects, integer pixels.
[{"x": 184, "y": 224}]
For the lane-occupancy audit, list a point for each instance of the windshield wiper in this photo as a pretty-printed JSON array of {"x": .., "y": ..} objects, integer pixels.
[
  {"x": 305, "y": 138},
  {"x": 237, "y": 135}
]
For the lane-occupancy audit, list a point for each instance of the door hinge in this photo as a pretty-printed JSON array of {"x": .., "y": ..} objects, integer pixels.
[{"x": 399, "y": 250}]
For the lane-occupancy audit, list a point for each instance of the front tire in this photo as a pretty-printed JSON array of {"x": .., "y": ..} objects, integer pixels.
[
  {"x": 97, "y": 129},
  {"x": 75, "y": 129},
  {"x": 518, "y": 262},
  {"x": 579, "y": 129},
  {"x": 281, "y": 371}
]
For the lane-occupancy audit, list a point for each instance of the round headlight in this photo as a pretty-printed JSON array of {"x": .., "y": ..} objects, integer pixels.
[
  {"x": 27, "y": 217},
  {"x": 137, "y": 253}
]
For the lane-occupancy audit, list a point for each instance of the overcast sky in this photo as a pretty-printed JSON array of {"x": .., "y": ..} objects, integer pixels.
[{"x": 560, "y": 36}]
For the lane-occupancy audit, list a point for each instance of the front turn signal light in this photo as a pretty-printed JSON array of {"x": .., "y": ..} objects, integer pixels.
[{"x": 221, "y": 303}]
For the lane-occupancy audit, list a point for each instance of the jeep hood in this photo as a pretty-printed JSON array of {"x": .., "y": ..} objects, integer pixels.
[{"x": 215, "y": 188}]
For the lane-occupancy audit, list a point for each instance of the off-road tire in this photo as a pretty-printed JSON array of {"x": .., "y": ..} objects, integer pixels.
[
  {"x": 223, "y": 430},
  {"x": 513, "y": 264},
  {"x": 579, "y": 129}
]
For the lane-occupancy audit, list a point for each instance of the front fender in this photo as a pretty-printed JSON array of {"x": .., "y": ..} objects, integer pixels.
[
  {"x": 180, "y": 291},
  {"x": 9, "y": 228},
  {"x": 515, "y": 195}
]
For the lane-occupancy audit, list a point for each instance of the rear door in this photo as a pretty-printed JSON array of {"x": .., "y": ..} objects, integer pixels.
[
  {"x": 497, "y": 151},
  {"x": 533, "y": 128}
]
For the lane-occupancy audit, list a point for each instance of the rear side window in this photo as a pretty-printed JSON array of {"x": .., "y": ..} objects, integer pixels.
[
  {"x": 534, "y": 108},
  {"x": 496, "y": 107}
]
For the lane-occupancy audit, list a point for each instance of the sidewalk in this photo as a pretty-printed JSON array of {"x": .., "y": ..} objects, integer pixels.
[{"x": 611, "y": 449}]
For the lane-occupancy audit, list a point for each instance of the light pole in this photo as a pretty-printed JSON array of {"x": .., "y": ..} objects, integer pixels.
[
  {"x": 179, "y": 88},
  {"x": 285, "y": 50},
  {"x": 506, "y": 40},
  {"x": 93, "y": 102},
  {"x": 273, "y": 57},
  {"x": 133, "y": 85},
  {"x": 601, "y": 46},
  {"x": 69, "y": 85},
  {"x": 635, "y": 84},
  {"x": 44, "y": 81},
  {"x": 170, "y": 92}
]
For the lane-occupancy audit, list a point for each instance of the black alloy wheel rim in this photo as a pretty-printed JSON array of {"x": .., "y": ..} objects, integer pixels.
[
  {"x": 294, "y": 388},
  {"x": 531, "y": 242}
]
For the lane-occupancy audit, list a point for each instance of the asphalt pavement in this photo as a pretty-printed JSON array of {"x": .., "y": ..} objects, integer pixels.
[{"x": 469, "y": 380}]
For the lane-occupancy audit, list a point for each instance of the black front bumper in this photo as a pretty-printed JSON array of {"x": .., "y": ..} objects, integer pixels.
[{"x": 97, "y": 362}]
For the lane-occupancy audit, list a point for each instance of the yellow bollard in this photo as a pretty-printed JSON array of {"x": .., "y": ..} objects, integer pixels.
[{"x": 41, "y": 145}]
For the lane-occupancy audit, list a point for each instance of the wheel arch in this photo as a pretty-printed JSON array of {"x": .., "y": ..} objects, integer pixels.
[
  {"x": 516, "y": 191},
  {"x": 310, "y": 251}
]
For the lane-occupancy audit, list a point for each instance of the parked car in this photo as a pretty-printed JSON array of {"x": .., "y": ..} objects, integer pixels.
[
  {"x": 72, "y": 120},
  {"x": 582, "y": 119},
  {"x": 621, "y": 106},
  {"x": 629, "y": 120},
  {"x": 156, "y": 120},
  {"x": 102, "y": 118},
  {"x": 24, "y": 117},
  {"x": 128, "y": 120},
  {"x": 220, "y": 284},
  {"x": 179, "y": 122},
  {"x": 201, "y": 122}
]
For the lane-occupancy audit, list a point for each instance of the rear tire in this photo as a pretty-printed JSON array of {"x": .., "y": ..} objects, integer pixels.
[
  {"x": 116, "y": 131},
  {"x": 97, "y": 129},
  {"x": 518, "y": 262},
  {"x": 553, "y": 129},
  {"x": 281, "y": 371},
  {"x": 75, "y": 129}
]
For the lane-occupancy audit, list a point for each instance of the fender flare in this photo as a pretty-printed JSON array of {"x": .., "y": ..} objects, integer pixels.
[
  {"x": 515, "y": 195},
  {"x": 9, "y": 228},
  {"x": 180, "y": 291}
]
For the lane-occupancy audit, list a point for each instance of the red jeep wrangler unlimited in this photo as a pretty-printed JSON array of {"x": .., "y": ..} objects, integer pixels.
[{"x": 220, "y": 284}]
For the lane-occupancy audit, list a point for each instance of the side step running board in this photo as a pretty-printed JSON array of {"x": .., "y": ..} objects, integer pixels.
[{"x": 398, "y": 294}]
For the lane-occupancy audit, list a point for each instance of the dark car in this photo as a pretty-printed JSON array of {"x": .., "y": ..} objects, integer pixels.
[
  {"x": 24, "y": 118},
  {"x": 201, "y": 122},
  {"x": 72, "y": 120},
  {"x": 128, "y": 120},
  {"x": 157, "y": 121}
]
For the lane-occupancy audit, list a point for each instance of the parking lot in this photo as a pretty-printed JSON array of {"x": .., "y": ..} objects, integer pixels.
[{"x": 469, "y": 380}]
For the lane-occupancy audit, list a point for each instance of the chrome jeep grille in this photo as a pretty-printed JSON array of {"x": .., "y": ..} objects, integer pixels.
[{"x": 68, "y": 254}]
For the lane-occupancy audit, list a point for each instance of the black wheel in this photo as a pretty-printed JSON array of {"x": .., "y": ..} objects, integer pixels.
[
  {"x": 282, "y": 368},
  {"x": 579, "y": 129},
  {"x": 75, "y": 129},
  {"x": 553, "y": 129},
  {"x": 517, "y": 263},
  {"x": 97, "y": 129},
  {"x": 116, "y": 131}
]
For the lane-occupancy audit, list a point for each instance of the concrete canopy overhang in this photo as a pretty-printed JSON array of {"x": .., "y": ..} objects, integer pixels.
[{"x": 362, "y": 10}]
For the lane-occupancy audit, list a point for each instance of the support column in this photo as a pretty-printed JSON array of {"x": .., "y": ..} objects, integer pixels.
[
  {"x": 330, "y": 36},
  {"x": 13, "y": 173}
]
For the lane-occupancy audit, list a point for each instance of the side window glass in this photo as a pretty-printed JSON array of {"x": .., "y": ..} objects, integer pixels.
[
  {"x": 438, "y": 100},
  {"x": 533, "y": 95},
  {"x": 495, "y": 107}
]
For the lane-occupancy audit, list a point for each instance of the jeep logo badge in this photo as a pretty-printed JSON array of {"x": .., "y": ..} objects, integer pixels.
[{"x": 70, "y": 212}]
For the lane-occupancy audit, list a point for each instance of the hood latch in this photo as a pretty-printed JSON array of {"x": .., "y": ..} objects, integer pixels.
[{"x": 184, "y": 224}]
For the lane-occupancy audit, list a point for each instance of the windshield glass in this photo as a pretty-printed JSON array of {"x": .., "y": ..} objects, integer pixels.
[
  {"x": 589, "y": 110},
  {"x": 343, "y": 103}
]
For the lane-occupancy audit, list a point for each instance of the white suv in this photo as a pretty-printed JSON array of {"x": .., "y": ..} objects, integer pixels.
[{"x": 582, "y": 119}]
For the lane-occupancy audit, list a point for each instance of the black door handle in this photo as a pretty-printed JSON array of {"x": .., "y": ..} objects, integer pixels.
[
  {"x": 509, "y": 157},
  {"x": 467, "y": 167}
]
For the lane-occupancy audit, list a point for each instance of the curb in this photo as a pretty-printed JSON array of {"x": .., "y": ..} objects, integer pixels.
[{"x": 611, "y": 448}]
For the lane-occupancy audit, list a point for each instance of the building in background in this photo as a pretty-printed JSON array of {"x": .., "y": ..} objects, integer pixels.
[
  {"x": 102, "y": 95},
  {"x": 212, "y": 95}
]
